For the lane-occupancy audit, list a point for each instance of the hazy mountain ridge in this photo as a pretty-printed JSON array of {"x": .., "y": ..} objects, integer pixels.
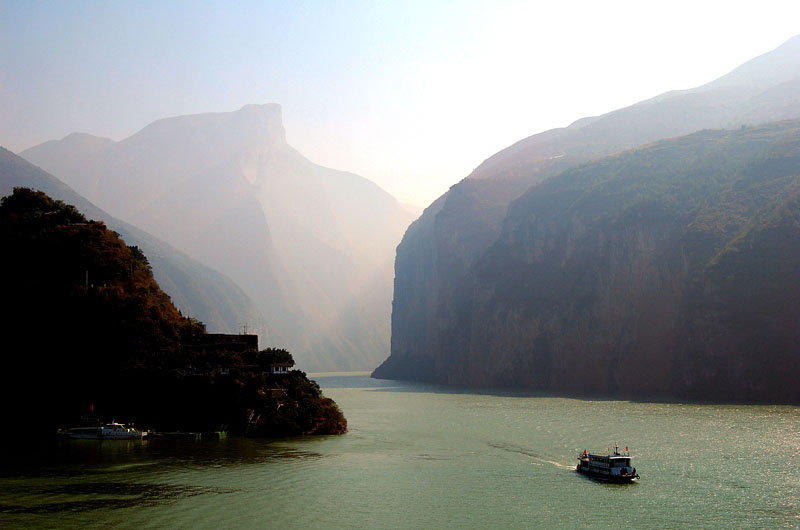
[
  {"x": 312, "y": 246},
  {"x": 195, "y": 289},
  {"x": 125, "y": 176},
  {"x": 435, "y": 269},
  {"x": 748, "y": 92}
]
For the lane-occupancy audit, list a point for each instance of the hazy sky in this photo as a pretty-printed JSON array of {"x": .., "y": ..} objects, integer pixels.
[{"x": 412, "y": 95}]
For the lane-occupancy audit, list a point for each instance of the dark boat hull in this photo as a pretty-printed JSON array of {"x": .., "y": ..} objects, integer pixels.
[{"x": 616, "y": 479}]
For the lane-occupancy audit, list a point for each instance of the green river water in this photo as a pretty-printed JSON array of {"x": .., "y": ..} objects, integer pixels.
[{"x": 423, "y": 456}]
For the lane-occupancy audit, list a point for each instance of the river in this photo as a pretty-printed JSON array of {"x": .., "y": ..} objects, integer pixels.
[{"x": 425, "y": 456}]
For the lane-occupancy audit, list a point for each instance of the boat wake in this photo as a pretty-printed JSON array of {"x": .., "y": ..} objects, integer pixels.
[{"x": 540, "y": 458}]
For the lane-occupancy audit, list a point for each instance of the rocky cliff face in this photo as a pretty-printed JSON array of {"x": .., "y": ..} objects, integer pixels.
[
  {"x": 312, "y": 246},
  {"x": 435, "y": 272},
  {"x": 665, "y": 271},
  {"x": 609, "y": 278}
]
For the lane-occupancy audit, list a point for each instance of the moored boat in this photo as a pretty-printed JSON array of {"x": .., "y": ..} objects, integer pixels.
[
  {"x": 109, "y": 431},
  {"x": 613, "y": 467}
]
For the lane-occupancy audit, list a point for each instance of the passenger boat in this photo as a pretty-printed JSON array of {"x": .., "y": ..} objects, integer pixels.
[
  {"x": 613, "y": 467},
  {"x": 109, "y": 431}
]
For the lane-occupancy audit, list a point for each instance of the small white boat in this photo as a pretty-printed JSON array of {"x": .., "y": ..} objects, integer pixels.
[
  {"x": 109, "y": 431},
  {"x": 613, "y": 467}
]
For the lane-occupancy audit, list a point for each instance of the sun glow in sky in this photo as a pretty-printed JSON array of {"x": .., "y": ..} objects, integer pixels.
[{"x": 412, "y": 95}]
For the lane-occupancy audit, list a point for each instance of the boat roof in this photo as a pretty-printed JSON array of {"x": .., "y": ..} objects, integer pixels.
[{"x": 615, "y": 455}]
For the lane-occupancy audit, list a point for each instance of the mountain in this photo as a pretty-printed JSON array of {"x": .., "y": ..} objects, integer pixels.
[
  {"x": 759, "y": 91},
  {"x": 437, "y": 265},
  {"x": 195, "y": 289},
  {"x": 68, "y": 337},
  {"x": 312, "y": 246},
  {"x": 116, "y": 346},
  {"x": 665, "y": 271}
]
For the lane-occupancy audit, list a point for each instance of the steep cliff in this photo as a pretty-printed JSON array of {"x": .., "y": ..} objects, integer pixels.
[
  {"x": 437, "y": 264},
  {"x": 666, "y": 271}
]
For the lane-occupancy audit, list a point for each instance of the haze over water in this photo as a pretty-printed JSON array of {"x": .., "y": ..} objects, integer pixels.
[{"x": 421, "y": 456}]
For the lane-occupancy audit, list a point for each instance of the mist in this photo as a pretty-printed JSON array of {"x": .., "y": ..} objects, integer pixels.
[
  {"x": 410, "y": 95},
  {"x": 313, "y": 247}
]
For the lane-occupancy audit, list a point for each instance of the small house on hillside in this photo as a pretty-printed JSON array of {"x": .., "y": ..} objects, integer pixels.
[{"x": 279, "y": 368}]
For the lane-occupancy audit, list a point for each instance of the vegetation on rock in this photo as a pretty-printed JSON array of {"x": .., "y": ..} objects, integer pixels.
[
  {"x": 89, "y": 328},
  {"x": 449, "y": 326},
  {"x": 668, "y": 271}
]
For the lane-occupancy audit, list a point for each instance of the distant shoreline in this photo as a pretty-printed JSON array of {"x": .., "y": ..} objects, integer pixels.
[{"x": 338, "y": 374}]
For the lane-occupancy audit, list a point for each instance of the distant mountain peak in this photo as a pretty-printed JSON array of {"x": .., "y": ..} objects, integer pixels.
[
  {"x": 774, "y": 67},
  {"x": 87, "y": 144},
  {"x": 272, "y": 108},
  {"x": 83, "y": 137},
  {"x": 262, "y": 124},
  {"x": 728, "y": 101},
  {"x": 267, "y": 117}
]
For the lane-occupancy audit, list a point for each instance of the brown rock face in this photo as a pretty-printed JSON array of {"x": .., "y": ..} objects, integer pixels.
[{"x": 667, "y": 271}]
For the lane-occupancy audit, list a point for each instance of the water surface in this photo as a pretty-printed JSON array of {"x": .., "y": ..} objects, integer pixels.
[{"x": 423, "y": 456}]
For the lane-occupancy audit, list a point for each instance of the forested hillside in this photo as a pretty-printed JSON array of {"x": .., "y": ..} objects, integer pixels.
[
  {"x": 667, "y": 271},
  {"x": 197, "y": 290},
  {"x": 88, "y": 328}
]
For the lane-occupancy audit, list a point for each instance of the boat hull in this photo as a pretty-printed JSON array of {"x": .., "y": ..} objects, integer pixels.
[
  {"x": 98, "y": 437},
  {"x": 86, "y": 436},
  {"x": 112, "y": 431},
  {"x": 617, "y": 479}
]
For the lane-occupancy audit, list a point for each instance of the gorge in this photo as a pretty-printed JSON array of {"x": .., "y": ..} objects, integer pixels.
[{"x": 312, "y": 246}]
